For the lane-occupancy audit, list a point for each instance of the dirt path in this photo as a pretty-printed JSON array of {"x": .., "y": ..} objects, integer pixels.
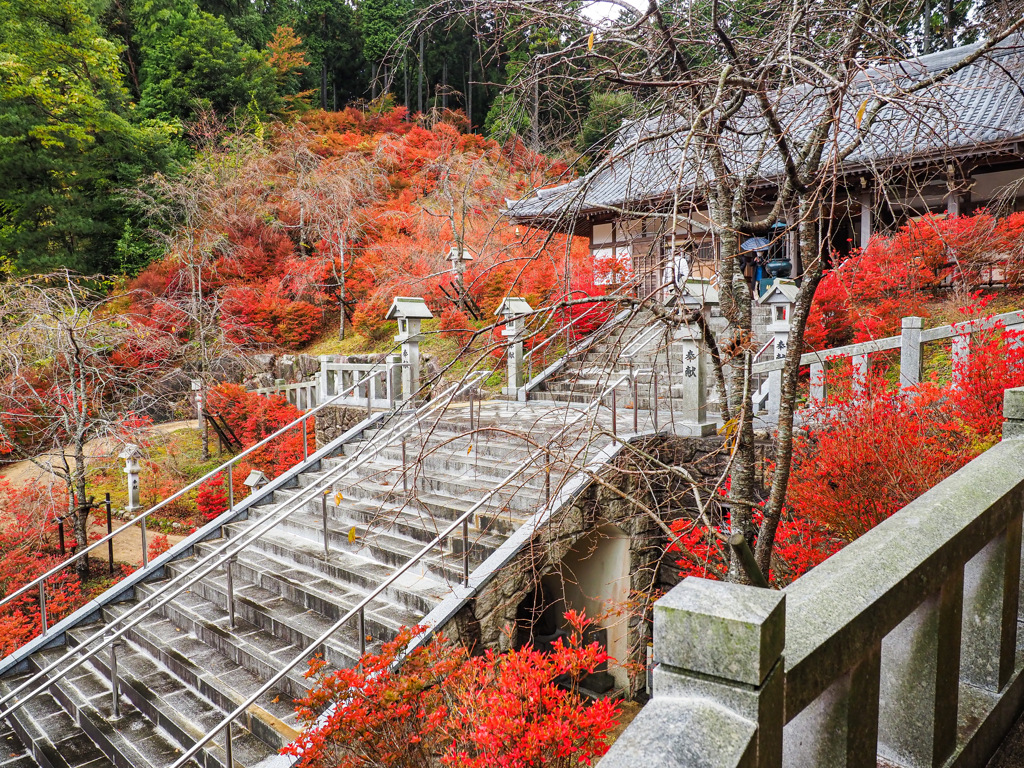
[{"x": 128, "y": 545}]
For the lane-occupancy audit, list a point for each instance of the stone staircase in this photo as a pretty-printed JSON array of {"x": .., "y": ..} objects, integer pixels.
[
  {"x": 640, "y": 341},
  {"x": 183, "y": 668}
]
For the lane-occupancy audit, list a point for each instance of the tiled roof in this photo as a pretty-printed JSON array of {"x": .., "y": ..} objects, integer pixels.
[{"x": 976, "y": 109}]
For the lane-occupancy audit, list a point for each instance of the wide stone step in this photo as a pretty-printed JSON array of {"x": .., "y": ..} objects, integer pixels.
[
  {"x": 180, "y": 710},
  {"x": 293, "y": 620},
  {"x": 411, "y": 590},
  {"x": 391, "y": 551},
  {"x": 131, "y": 739},
  {"x": 262, "y": 653},
  {"x": 50, "y": 735},
  {"x": 220, "y": 681}
]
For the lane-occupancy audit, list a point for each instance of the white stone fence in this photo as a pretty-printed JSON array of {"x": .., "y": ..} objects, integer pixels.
[
  {"x": 910, "y": 342},
  {"x": 383, "y": 386},
  {"x": 901, "y": 649},
  {"x": 304, "y": 395}
]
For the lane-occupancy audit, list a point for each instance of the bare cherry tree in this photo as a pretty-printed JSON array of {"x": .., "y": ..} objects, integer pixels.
[
  {"x": 758, "y": 120},
  {"x": 66, "y": 362}
]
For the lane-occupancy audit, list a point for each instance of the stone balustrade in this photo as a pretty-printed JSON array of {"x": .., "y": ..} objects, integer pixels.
[
  {"x": 902, "y": 649},
  {"x": 910, "y": 342}
]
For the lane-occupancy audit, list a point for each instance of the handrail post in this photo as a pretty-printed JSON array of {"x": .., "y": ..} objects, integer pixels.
[
  {"x": 654, "y": 397},
  {"x": 405, "y": 469},
  {"x": 547, "y": 477},
  {"x": 115, "y": 683},
  {"x": 42, "y": 605},
  {"x": 615, "y": 413},
  {"x": 720, "y": 643},
  {"x": 362, "y": 630},
  {"x": 229, "y": 759},
  {"x": 110, "y": 530},
  {"x": 228, "y": 570},
  {"x": 305, "y": 441},
  {"x": 231, "y": 486},
  {"x": 323, "y": 511},
  {"x": 636, "y": 398},
  {"x": 465, "y": 552},
  {"x": 145, "y": 549}
]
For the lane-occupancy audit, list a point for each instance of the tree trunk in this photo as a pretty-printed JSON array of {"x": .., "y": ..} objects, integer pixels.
[
  {"x": 419, "y": 92},
  {"x": 926, "y": 27}
]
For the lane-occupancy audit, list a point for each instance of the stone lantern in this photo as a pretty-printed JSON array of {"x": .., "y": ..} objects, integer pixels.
[
  {"x": 515, "y": 310},
  {"x": 256, "y": 480},
  {"x": 459, "y": 256},
  {"x": 780, "y": 299},
  {"x": 409, "y": 311},
  {"x": 131, "y": 454}
]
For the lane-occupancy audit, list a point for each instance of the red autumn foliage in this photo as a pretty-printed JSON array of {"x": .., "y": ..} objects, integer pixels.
[
  {"x": 868, "y": 454},
  {"x": 455, "y": 324},
  {"x": 252, "y": 418},
  {"x": 866, "y": 295},
  {"x": 29, "y": 548},
  {"x": 443, "y": 706},
  {"x": 278, "y": 291}
]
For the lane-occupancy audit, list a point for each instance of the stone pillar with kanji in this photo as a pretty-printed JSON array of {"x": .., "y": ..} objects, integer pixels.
[
  {"x": 515, "y": 311},
  {"x": 691, "y": 396}
]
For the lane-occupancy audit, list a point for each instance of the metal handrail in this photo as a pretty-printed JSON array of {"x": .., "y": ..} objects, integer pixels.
[
  {"x": 571, "y": 323},
  {"x": 359, "y": 609},
  {"x": 40, "y": 581},
  {"x": 231, "y": 547}
]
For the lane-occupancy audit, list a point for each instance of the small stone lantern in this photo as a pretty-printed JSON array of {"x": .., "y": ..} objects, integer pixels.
[
  {"x": 197, "y": 388},
  {"x": 409, "y": 311},
  {"x": 256, "y": 480},
  {"x": 515, "y": 311},
  {"x": 131, "y": 454},
  {"x": 780, "y": 298}
]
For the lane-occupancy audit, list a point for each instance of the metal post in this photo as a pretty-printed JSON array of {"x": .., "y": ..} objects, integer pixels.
[
  {"x": 231, "y": 487},
  {"x": 405, "y": 470},
  {"x": 636, "y": 401},
  {"x": 145, "y": 551},
  {"x": 323, "y": 510},
  {"x": 362, "y": 631},
  {"x": 42, "y": 605},
  {"x": 231, "y": 591},
  {"x": 110, "y": 530},
  {"x": 615, "y": 413},
  {"x": 470, "y": 409},
  {"x": 60, "y": 534},
  {"x": 369, "y": 393},
  {"x": 115, "y": 684},
  {"x": 654, "y": 398},
  {"x": 230, "y": 758},
  {"x": 305, "y": 440},
  {"x": 547, "y": 477},
  {"x": 465, "y": 552}
]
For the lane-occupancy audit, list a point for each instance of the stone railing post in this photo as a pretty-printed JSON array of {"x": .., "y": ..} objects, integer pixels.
[
  {"x": 514, "y": 310},
  {"x": 409, "y": 311},
  {"x": 861, "y": 374},
  {"x": 919, "y": 685},
  {"x": 961, "y": 358},
  {"x": 910, "y": 352},
  {"x": 718, "y": 653},
  {"x": 323, "y": 380},
  {"x": 817, "y": 382},
  {"x": 1013, "y": 413}
]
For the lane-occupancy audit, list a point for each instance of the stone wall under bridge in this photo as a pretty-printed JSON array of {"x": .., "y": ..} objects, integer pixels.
[{"x": 602, "y": 546}]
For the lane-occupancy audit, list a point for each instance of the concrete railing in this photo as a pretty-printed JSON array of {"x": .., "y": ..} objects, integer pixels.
[
  {"x": 910, "y": 342},
  {"x": 901, "y": 648},
  {"x": 383, "y": 386},
  {"x": 304, "y": 395}
]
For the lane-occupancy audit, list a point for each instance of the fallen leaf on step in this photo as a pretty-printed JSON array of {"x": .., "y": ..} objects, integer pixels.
[
  {"x": 352, "y": 535},
  {"x": 276, "y": 700}
]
